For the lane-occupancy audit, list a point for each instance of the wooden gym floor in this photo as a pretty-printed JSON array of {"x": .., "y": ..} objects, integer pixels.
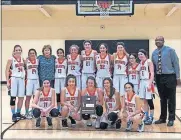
[{"x": 26, "y": 128}]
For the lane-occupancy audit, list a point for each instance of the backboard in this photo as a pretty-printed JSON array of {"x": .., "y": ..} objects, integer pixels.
[{"x": 113, "y": 7}]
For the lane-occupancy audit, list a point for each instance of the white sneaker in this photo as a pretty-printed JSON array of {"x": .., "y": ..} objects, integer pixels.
[
  {"x": 97, "y": 126},
  {"x": 129, "y": 125},
  {"x": 29, "y": 116},
  {"x": 141, "y": 127},
  {"x": 89, "y": 123}
]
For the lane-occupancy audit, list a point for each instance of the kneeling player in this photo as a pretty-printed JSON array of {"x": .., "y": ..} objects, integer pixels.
[
  {"x": 70, "y": 101},
  {"x": 132, "y": 109},
  {"x": 92, "y": 90},
  {"x": 112, "y": 105},
  {"x": 44, "y": 104}
]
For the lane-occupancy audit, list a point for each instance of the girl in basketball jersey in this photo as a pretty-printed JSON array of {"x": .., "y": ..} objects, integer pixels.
[
  {"x": 44, "y": 104},
  {"x": 132, "y": 111},
  {"x": 120, "y": 66},
  {"x": 74, "y": 64},
  {"x": 146, "y": 85},
  {"x": 103, "y": 65},
  {"x": 92, "y": 90},
  {"x": 112, "y": 105},
  {"x": 70, "y": 101},
  {"x": 60, "y": 74},
  {"x": 17, "y": 84},
  {"x": 32, "y": 83},
  {"x": 88, "y": 60},
  {"x": 133, "y": 72}
]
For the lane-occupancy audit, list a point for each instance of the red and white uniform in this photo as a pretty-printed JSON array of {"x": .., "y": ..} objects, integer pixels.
[
  {"x": 144, "y": 91},
  {"x": 103, "y": 69},
  {"x": 133, "y": 77},
  {"x": 32, "y": 77},
  {"x": 95, "y": 94},
  {"x": 74, "y": 67},
  {"x": 120, "y": 77},
  {"x": 60, "y": 74},
  {"x": 72, "y": 99},
  {"x": 18, "y": 78},
  {"x": 88, "y": 68}
]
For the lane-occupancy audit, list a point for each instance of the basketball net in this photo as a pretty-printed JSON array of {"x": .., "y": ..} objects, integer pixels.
[{"x": 104, "y": 7}]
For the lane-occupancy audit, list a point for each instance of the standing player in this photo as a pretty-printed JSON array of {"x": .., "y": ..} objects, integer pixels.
[
  {"x": 132, "y": 111},
  {"x": 120, "y": 65},
  {"x": 44, "y": 104},
  {"x": 60, "y": 74},
  {"x": 112, "y": 105},
  {"x": 32, "y": 83},
  {"x": 103, "y": 64},
  {"x": 92, "y": 90},
  {"x": 70, "y": 101},
  {"x": 133, "y": 72},
  {"x": 17, "y": 84},
  {"x": 146, "y": 85},
  {"x": 74, "y": 64},
  {"x": 88, "y": 58}
]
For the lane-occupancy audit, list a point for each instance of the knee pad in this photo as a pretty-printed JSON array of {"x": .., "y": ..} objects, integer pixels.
[
  {"x": 58, "y": 97},
  {"x": 86, "y": 116},
  {"x": 150, "y": 103},
  {"x": 36, "y": 112},
  {"x": 112, "y": 117},
  {"x": 12, "y": 101},
  {"x": 103, "y": 125},
  {"x": 99, "y": 110},
  {"x": 54, "y": 112}
]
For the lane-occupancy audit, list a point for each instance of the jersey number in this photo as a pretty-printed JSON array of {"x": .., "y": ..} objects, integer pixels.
[
  {"x": 59, "y": 70},
  {"x": 130, "y": 109},
  {"x": 142, "y": 73},
  {"x": 33, "y": 71},
  {"x": 109, "y": 105},
  {"x": 87, "y": 63},
  {"x": 119, "y": 67},
  {"x": 45, "y": 104},
  {"x": 72, "y": 67},
  {"x": 102, "y": 66},
  {"x": 72, "y": 103},
  {"x": 20, "y": 69},
  {"x": 133, "y": 77}
]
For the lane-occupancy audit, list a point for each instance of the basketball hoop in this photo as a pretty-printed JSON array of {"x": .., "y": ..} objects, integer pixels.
[{"x": 104, "y": 7}]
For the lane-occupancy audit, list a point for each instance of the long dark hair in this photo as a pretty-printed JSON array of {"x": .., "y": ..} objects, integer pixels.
[
  {"x": 92, "y": 78},
  {"x": 60, "y": 49},
  {"x": 131, "y": 84},
  {"x": 112, "y": 89},
  {"x": 106, "y": 46},
  {"x": 68, "y": 77}
]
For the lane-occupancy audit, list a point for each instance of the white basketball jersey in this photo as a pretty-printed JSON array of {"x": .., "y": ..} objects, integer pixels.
[
  {"x": 120, "y": 65},
  {"x": 144, "y": 69},
  {"x": 133, "y": 74},
  {"x": 88, "y": 62},
  {"x": 130, "y": 105},
  {"x": 103, "y": 66},
  {"x": 95, "y": 94},
  {"x": 45, "y": 101},
  {"x": 72, "y": 99},
  {"x": 18, "y": 68},
  {"x": 60, "y": 68},
  {"x": 110, "y": 102},
  {"x": 74, "y": 65},
  {"x": 32, "y": 69}
]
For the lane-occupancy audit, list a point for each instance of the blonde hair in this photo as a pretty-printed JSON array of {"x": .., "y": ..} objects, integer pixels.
[{"x": 47, "y": 47}]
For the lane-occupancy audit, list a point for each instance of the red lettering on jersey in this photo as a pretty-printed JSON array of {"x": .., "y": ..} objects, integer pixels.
[
  {"x": 60, "y": 66},
  {"x": 32, "y": 66},
  {"x": 120, "y": 62}
]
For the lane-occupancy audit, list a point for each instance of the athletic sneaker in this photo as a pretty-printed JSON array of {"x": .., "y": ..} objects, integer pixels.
[
  {"x": 146, "y": 118},
  {"x": 89, "y": 123},
  {"x": 49, "y": 121},
  {"x": 149, "y": 121},
  {"x": 97, "y": 126},
  {"x": 141, "y": 127},
  {"x": 64, "y": 123},
  {"x": 38, "y": 121},
  {"x": 28, "y": 116},
  {"x": 118, "y": 124},
  {"x": 20, "y": 117},
  {"x": 73, "y": 122},
  {"x": 14, "y": 118},
  {"x": 129, "y": 125}
]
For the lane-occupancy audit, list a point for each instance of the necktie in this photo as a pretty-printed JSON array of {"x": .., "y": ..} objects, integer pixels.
[{"x": 159, "y": 71}]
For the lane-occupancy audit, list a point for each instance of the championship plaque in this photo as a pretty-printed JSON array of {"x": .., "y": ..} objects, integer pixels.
[{"x": 88, "y": 104}]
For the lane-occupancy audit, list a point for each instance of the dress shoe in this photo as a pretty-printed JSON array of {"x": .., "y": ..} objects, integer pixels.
[
  {"x": 160, "y": 121},
  {"x": 170, "y": 123}
]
